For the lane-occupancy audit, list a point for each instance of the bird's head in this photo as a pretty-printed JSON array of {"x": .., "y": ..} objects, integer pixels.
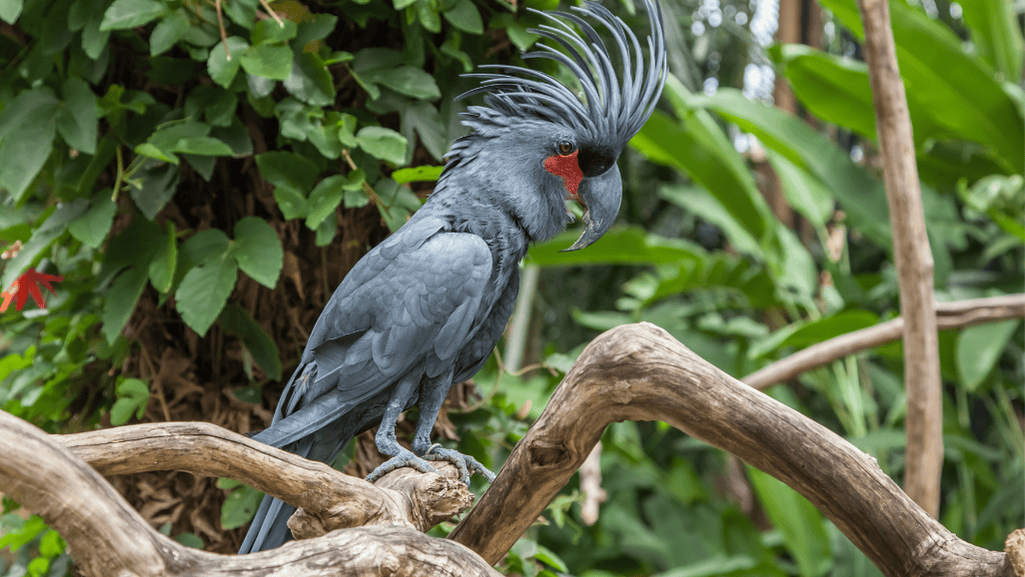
[{"x": 544, "y": 142}]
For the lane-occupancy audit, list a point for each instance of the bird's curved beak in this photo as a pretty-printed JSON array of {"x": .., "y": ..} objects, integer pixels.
[{"x": 600, "y": 196}]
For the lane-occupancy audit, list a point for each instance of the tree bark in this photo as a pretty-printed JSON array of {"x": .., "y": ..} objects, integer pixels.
[
  {"x": 636, "y": 372},
  {"x": 924, "y": 453},
  {"x": 639, "y": 372},
  {"x": 108, "y": 538},
  {"x": 336, "y": 499}
]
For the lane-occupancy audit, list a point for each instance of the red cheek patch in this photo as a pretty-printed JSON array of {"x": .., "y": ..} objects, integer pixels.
[{"x": 566, "y": 168}]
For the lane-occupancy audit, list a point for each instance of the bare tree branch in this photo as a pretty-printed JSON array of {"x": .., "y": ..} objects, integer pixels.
[
  {"x": 636, "y": 372},
  {"x": 948, "y": 316},
  {"x": 639, "y": 372},
  {"x": 924, "y": 453},
  {"x": 419, "y": 501},
  {"x": 108, "y": 538}
]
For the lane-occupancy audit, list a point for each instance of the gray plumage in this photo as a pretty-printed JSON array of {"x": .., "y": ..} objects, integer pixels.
[{"x": 425, "y": 308}]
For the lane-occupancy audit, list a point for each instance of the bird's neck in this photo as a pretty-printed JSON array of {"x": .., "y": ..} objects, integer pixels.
[{"x": 500, "y": 228}]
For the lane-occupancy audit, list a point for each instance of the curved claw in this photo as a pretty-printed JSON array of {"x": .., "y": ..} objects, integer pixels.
[
  {"x": 466, "y": 464},
  {"x": 405, "y": 458}
]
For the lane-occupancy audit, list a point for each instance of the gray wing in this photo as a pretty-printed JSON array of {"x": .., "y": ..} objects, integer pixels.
[{"x": 413, "y": 305}]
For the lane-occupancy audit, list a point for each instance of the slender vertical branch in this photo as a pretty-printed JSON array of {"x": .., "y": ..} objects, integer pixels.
[{"x": 913, "y": 259}]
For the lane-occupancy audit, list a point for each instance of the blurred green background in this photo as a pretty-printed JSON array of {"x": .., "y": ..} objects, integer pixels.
[{"x": 201, "y": 209}]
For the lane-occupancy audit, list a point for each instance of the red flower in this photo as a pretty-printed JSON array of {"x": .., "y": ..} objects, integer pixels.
[{"x": 28, "y": 284}]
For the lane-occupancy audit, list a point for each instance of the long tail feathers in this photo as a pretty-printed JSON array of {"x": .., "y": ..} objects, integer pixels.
[
  {"x": 306, "y": 421},
  {"x": 270, "y": 526}
]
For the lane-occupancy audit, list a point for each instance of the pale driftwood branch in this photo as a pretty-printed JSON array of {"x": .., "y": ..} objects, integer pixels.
[
  {"x": 327, "y": 498},
  {"x": 1014, "y": 546},
  {"x": 913, "y": 258},
  {"x": 950, "y": 315},
  {"x": 639, "y": 372},
  {"x": 107, "y": 537}
]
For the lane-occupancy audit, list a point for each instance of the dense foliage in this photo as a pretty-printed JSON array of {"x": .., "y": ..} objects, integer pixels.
[{"x": 153, "y": 150}]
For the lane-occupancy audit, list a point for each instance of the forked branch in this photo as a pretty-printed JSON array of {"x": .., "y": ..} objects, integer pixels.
[
  {"x": 639, "y": 372},
  {"x": 107, "y": 537}
]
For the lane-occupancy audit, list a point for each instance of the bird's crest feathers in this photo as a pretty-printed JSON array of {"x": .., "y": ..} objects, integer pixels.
[{"x": 613, "y": 105}]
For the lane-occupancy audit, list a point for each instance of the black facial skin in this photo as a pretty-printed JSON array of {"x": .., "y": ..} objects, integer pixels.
[{"x": 596, "y": 160}]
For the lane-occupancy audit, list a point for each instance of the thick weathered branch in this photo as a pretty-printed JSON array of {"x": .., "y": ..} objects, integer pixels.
[
  {"x": 339, "y": 500},
  {"x": 639, "y": 372},
  {"x": 913, "y": 258},
  {"x": 109, "y": 538},
  {"x": 950, "y": 315}
]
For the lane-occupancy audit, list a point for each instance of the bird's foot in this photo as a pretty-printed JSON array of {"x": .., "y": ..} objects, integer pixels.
[
  {"x": 404, "y": 458},
  {"x": 466, "y": 464}
]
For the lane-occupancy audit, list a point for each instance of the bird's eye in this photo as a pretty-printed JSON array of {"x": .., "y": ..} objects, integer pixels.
[{"x": 566, "y": 148}]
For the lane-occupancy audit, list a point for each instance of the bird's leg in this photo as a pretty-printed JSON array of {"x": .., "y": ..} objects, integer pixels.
[
  {"x": 385, "y": 438},
  {"x": 431, "y": 399}
]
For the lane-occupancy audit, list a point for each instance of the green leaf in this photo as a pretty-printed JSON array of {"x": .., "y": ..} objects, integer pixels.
[
  {"x": 132, "y": 397},
  {"x": 700, "y": 202},
  {"x": 310, "y": 80},
  {"x": 212, "y": 103},
  {"x": 316, "y": 29},
  {"x": 203, "y": 146},
  {"x": 238, "y": 322},
  {"x": 805, "y": 193},
  {"x": 239, "y": 507},
  {"x": 802, "y": 526},
  {"x": 150, "y": 150},
  {"x": 77, "y": 120},
  {"x": 267, "y": 61},
  {"x": 27, "y": 126},
  {"x": 158, "y": 183},
  {"x": 201, "y": 246},
  {"x": 287, "y": 170},
  {"x": 269, "y": 30},
  {"x": 383, "y": 143},
  {"x": 959, "y": 91},
  {"x": 619, "y": 246},
  {"x": 93, "y": 227},
  {"x": 190, "y": 540},
  {"x": 979, "y": 348},
  {"x": 417, "y": 174},
  {"x": 465, "y": 16},
  {"x": 235, "y": 136},
  {"x": 424, "y": 118},
  {"x": 165, "y": 261},
  {"x": 291, "y": 203},
  {"x": 516, "y": 28},
  {"x": 347, "y": 130},
  {"x": 168, "y": 32},
  {"x": 325, "y": 198},
  {"x": 834, "y": 88},
  {"x": 241, "y": 12},
  {"x": 204, "y": 291},
  {"x": 862, "y": 196},
  {"x": 700, "y": 148},
  {"x": 124, "y": 14},
  {"x": 221, "y": 69},
  {"x": 996, "y": 34},
  {"x": 406, "y": 80},
  {"x": 120, "y": 299},
  {"x": 427, "y": 13},
  {"x": 257, "y": 250},
  {"x": 841, "y": 323},
  {"x": 135, "y": 245},
  {"x": 10, "y": 10}
]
